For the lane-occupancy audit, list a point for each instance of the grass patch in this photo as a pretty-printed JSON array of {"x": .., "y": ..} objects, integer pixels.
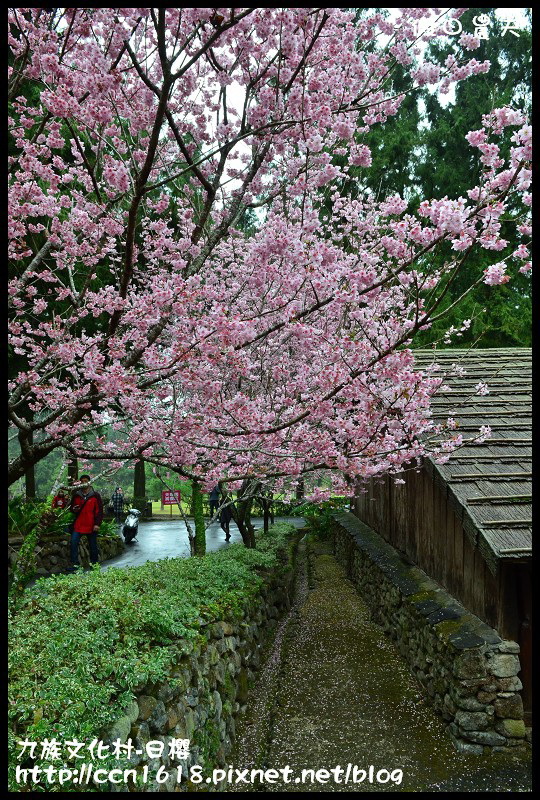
[{"x": 157, "y": 509}]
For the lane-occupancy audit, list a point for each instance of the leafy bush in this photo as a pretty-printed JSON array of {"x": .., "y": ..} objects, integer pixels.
[
  {"x": 291, "y": 509},
  {"x": 108, "y": 528},
  {"x": 79, "y": 644},
  {"x": 319, "y": 517},
  {"x": 34, "y": 521},
  {"x": 25, "y": 516}
]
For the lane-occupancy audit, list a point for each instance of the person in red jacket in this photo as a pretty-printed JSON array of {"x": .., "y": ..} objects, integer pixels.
[
  {"x": 88, "y": 506},
  {"x": 60, "y": 500}
]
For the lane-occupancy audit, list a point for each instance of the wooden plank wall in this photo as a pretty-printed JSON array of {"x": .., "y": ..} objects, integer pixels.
[
  {"x": 428, "y": 524},
  {"x": 418, "y": 521},
  {"x": 399, "y": 496},
  {"x": 454, "y": 531},
  {"x": 524, "y": 592}
]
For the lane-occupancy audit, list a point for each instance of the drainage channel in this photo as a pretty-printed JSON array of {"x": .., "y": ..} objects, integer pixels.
[
  {"x": 255, "y": 730},
  {"x": 334, "y": 693}
]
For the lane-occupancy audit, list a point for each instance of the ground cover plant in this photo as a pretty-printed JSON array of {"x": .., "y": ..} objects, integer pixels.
[{"x": 79, "y": 644}]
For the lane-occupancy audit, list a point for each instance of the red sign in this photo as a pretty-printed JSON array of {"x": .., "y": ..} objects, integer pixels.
[{"x": 169, "y": 498}]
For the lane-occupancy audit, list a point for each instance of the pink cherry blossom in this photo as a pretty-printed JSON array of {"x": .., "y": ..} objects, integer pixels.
[
  {"x": 495, "y": 274},
  {"x": 139, "y": 300}
]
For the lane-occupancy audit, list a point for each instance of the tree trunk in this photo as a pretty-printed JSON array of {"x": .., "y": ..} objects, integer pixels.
[
  {"x": 26, "y": 441},
  {"x": 72, "y": 470},
  {"x": 30, "y": 475},
  {"x": 266, "y": 513},
  {"x": 268, "y": 510},
  {"x": 139, "y": 480},
  {"x": 139, "y": 486},
  {"x": 238, "y": 516},
  {"x": 198, "y": 517},
  {"x": 271, "y": 507},
  {"x": 300, "y": 489},
  {"x": 242, "y": 514}
]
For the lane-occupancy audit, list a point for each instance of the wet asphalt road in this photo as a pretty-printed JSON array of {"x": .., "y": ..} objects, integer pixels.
[{"x": 159, "y": 539}]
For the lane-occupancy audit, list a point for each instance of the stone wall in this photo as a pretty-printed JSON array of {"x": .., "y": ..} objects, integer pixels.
[
  {"x": 468, "y": 673},
  {"x": 204, "y": 692},
  {"x": 52, "y": 554}
]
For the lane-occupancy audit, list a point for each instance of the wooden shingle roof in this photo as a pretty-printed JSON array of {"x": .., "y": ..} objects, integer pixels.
[{"x": 489, "y": 485}]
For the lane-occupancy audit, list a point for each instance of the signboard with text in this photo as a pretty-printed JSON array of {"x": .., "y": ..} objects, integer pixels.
[{"x": 170, "y": 498}]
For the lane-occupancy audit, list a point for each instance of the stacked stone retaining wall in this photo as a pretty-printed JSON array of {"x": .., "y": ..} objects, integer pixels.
[
  {"x": 203, "y": 694},
  {"x": 468, "y": 672},
  {"x": 53, "y": 555}
]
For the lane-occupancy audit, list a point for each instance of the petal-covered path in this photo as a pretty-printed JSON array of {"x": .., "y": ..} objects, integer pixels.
[{"x": 334, "y": 692}]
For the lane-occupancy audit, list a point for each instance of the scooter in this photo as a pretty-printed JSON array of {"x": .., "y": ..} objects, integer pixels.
[{"x": 131, "y": 525}]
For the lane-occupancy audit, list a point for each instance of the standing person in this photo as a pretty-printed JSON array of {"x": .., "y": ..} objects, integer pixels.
[
  {"x": 117, "y": 500},
  {"x": 60, "y": 500},
  {"x": 214, "y": 500},
  {"x": 88, "y": 506},
  {"x": 225, "y": 516}
]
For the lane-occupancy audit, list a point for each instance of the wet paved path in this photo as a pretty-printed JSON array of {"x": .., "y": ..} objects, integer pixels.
[
  {"x": 159, "y": 539},
  {"x": 335, "y": 692}
]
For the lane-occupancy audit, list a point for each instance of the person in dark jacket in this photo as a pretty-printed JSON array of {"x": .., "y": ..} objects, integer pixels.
[
  {"x": 225, "y": 516},
  {"x": 88, "y": 507},
  {"x": 214, "y": 500},
  {"x": 117, "y": 500}
]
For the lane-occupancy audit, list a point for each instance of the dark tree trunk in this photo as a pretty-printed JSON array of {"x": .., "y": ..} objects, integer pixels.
[
  {"x": 300, "y": 489},
  {"x": 271, "y": 507},
  {"x": 26, "y": 440},
  {"x": 19, "y": 465},
  {"x": 266, "y": 513},
  {"x": 139, "y": 486},
  {"x": 237, "y": 513},
  {"x": 242, "y": 513},
  {"x": 198, "y": 517},
  {"x": 30, "y": 482}
]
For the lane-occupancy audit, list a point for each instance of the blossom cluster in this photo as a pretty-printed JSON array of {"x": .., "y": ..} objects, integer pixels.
[{"x": 139, "y": 298}]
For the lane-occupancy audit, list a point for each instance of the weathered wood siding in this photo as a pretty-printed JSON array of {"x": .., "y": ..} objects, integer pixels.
[{"x": 419, "y": 522}]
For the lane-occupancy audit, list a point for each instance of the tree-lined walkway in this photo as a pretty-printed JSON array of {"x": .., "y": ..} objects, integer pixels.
[
  {"x": 158, "y": 539},
  {"x": 335, "y": 692}
]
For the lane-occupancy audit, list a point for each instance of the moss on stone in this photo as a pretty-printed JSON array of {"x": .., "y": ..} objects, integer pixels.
[
  {"x": 421, "y": 596},
  {"x": 512, "y": 727},
  {"x": 208, "y": 740},
  {"x": 229, "y": 687},
  {"x": 447, "y": 627}
]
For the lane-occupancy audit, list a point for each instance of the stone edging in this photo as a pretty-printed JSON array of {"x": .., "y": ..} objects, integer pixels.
[
  {"x": 206, "y": 689},
  {"x": 53, "y": 558},
  {"x": 467, "y": 671}
]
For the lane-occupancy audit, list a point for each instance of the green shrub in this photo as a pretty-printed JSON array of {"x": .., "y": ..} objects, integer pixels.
[
  {"x": 24, "y": 516},
  {"x": 319, "y": 517},
  {"x": 79, "y": 644},
  {"x": 108, "y": 528},
  {"x": 34, "y": 521}
]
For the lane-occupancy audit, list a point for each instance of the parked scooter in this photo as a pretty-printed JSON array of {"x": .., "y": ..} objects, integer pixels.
[{"x": 131, "y": 525}]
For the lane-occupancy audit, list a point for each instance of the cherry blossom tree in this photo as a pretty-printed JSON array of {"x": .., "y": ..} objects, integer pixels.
[{"x": 139, "y": 301}]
